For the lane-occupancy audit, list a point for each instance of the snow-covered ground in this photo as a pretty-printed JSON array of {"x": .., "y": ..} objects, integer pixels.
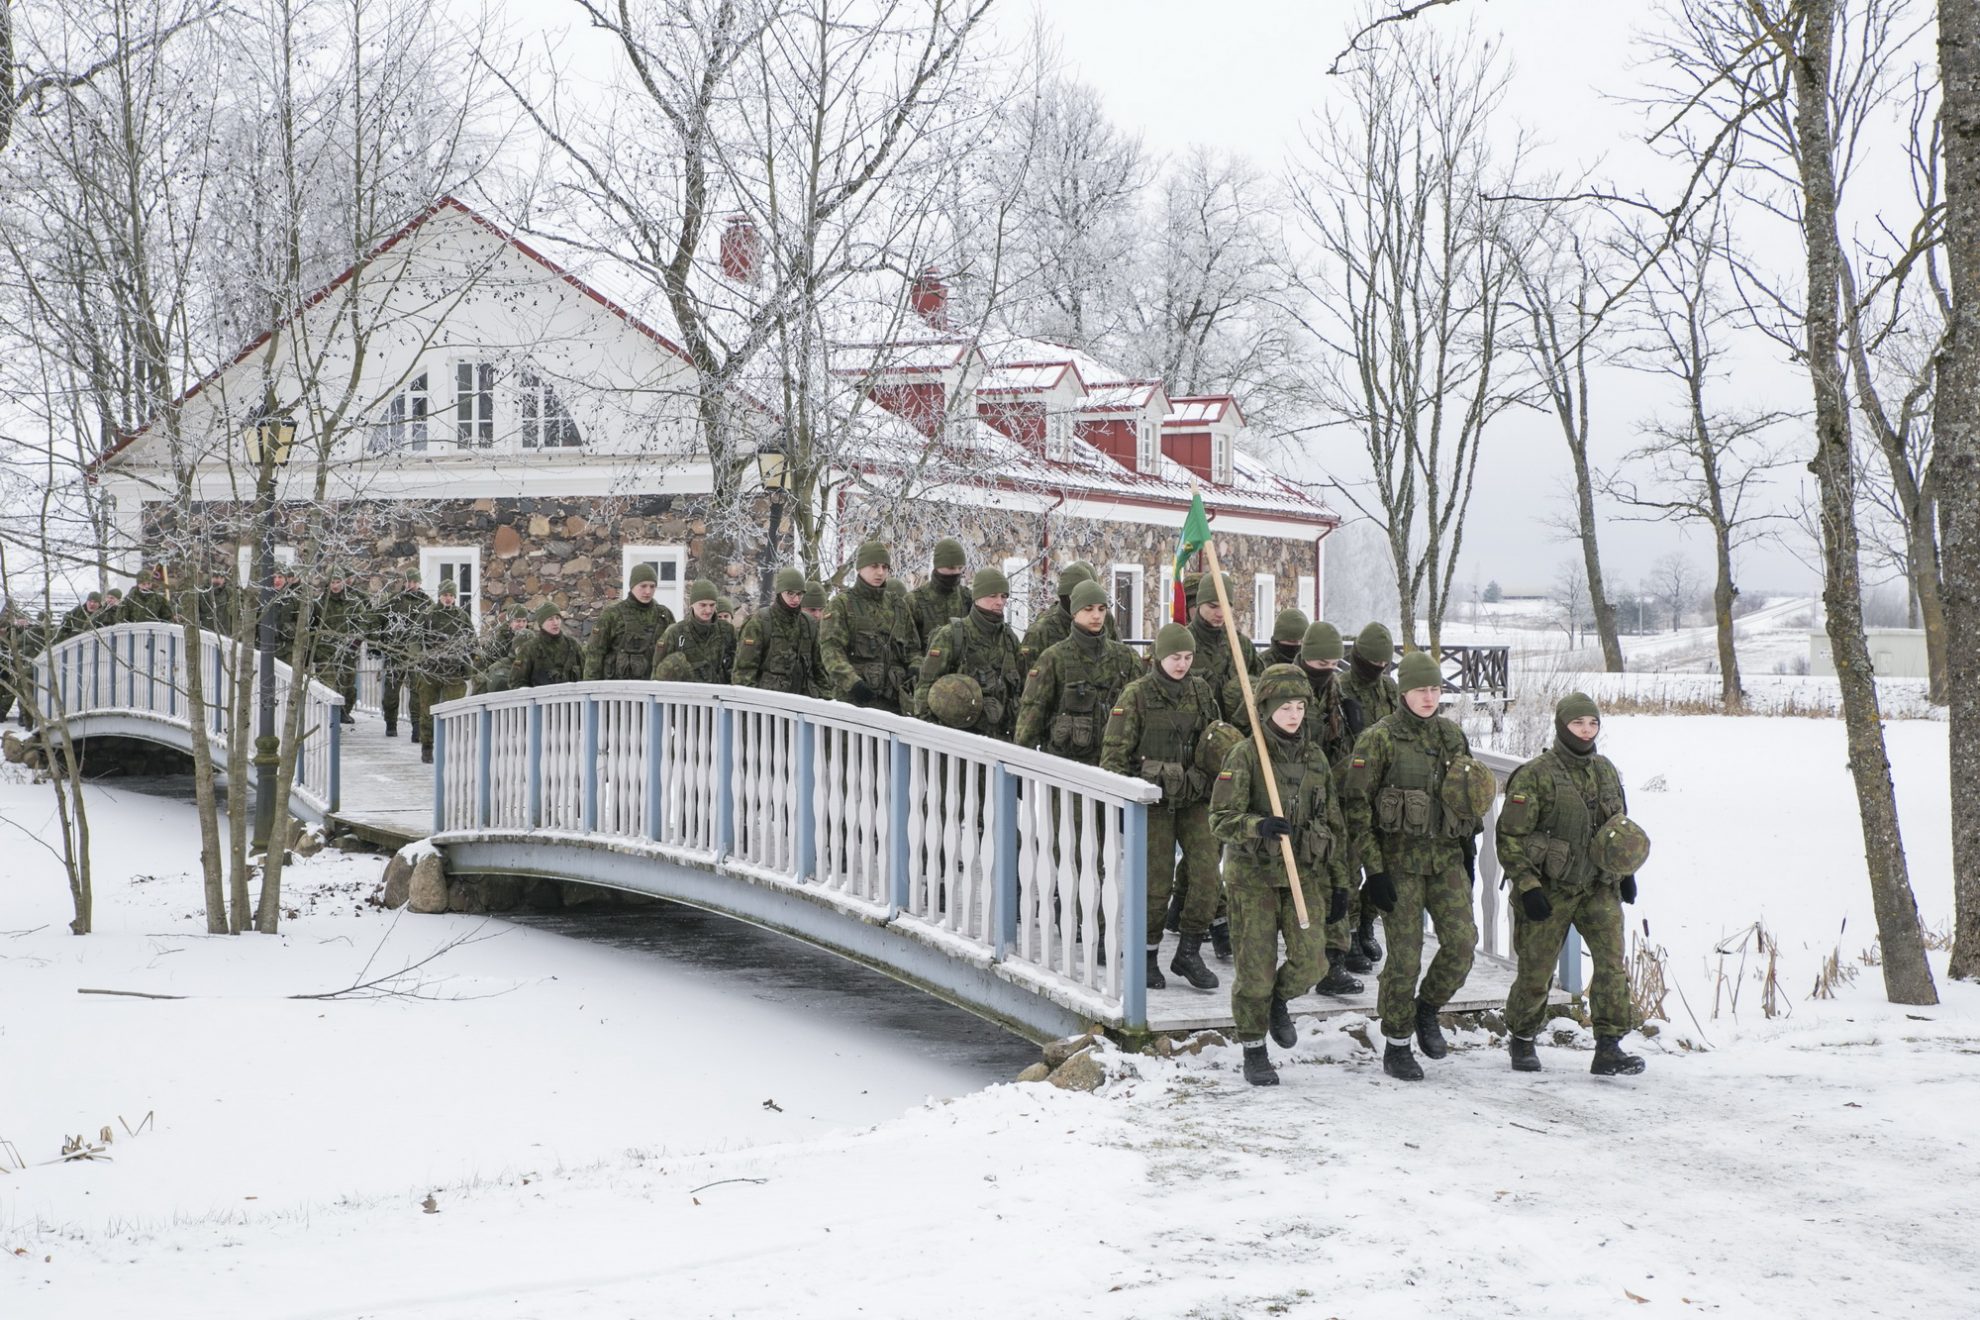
[{"x": 591, "y": 1122}]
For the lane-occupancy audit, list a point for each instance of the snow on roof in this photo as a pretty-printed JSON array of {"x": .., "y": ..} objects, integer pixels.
[
  {"x": 1025, "y": 377},
  {"x": 1201, "y": 410},
  {"x": 900, "y": 355},
  {"x": 1004, "y": 350},
  {"x": 1120, "y": 396}
]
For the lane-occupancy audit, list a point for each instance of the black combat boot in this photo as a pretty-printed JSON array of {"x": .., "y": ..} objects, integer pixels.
[
  {"x": 426, "y": 755},
  {"x": 1337, "y": 981},
  {"x": 1258, "y": 1069},
  {"x": 1523, "y": 1057},
  {"x": 1156, "y": 981},
  {"x": 1173, "y": 922},
  {"x": 1399, "y": 1063},
  {"x": 1610, "y": 1061},
  {"x": 1430, "y": 1036},
  {"x": 1354, "y": 959},
  {"x": 391, "y": 728},
  {"x": 1188, "y": 963},
  {"x": 1281, "y": 1027},
  {"x": 1220, "y": 940},
  {"x": 1365, "y": 937}
]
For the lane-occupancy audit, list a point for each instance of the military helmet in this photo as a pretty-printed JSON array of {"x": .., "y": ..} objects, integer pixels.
[
  {"x": 676, "y": 668},
  {"x": 1280, "y": 684},
  {"x": 1620, "y": 847},
  {"x": 1214, "y": 745},
  {"x": 956, "y": 700},
  {"x": 1469, "y": 788}
]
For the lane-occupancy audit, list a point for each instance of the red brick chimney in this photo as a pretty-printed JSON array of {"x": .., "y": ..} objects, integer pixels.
[
  {"x": 929, "y": 297},
  {"x": 742, "y": 248}
]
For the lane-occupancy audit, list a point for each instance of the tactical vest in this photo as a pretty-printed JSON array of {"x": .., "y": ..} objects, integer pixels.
[
  {"x": 981, "y": 658},
  {"x": 1078, "y": 721},
  {"x": 1303, "y": 793},
  {"x": 638, "y": 631},
  {"x": 1411, "y": 803},
  {"x": 1168, "y": 751},
  {"x": 1571, "y": 823},
  {"x": 786, "y": 662}
]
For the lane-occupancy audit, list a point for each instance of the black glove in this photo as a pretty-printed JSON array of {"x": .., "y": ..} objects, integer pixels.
[
  {"x": 1337, "y": 906},
  {"x": 1273, "y": 827},
  {"x": 862, "y": 695},
  {"x": 1534, "y": 903},
  {"x": 1470, "y": 847},
  {"x": 1627, "y": 887},
  {"x": 1381, "y": 891}
]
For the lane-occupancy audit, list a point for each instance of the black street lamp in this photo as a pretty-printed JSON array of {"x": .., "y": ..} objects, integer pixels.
[
  {"x": 269, "y": 438},
  {"x": 773, "y": 470}
]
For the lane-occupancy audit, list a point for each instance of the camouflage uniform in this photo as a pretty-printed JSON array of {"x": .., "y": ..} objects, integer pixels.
[
  {"x": 1214, "y": 666},
  {"x": 625, "y": 642},
  {"x": 778, "y": 652},
  {"x": 940, "y": 599},
  {"x": 1399, "y": 828},
  {"x": 396, "y": 628},
  {"x": 497, "y": 651},
  {"x": 80, "y": 617},
  {"x": 217, "y": 608},
  {"x": 145, "y": 604},
  {"x": 339, "y": 632},
  {"x": 444, "y": 659},
  {"x": 1255, "y": 875},
  {"x": 1069, "y": 692},
  {"x": 1554, "y": 803},
  {"x": 868, "y": 636},
  {"x": 1151, "y": 734},
  {"x": 983, "y": 647},
  {"x": 709, "y": 647},
  {"x": 545, "y": 661}
]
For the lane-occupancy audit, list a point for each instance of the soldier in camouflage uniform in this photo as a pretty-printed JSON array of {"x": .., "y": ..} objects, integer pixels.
[
  {"x": 396, "y": 630},
  {"x": 16, "y": 661},
  {"x": 445, "y": 658},
  {"x": 778, "y": 648},
  {"x": 217, "y": 606},
  {"x": 1415, "y": 850},
  {"x": 1288, "y": 631},
  {"x": 1075, "y": 683},
  {"x": 1214, "y": 664},
  {"x": 81, "y": 617},
  {"x": 1055, "y": 624},
  {"x": 1368, "y": 695},
  {"x": 868, "y": 640},
  {"x": 625, "y": 643},
  {"x": 1152, "y": 732},
  {"x": 547, "y": 657},
  {"x": 1555, "y": 803},
  {"x": 287, "y": 610},
  {"x": 336, "y": 636},
  {"x": 1326, "y": 719},
  {"x": 941, "y": 598},
  {"x": 814, "y": 600},
  {"x": 983, "y": 647},
  {"x": 147, "y": 602},
  {"x": 113, "y": 601},
  {"x": 708, "y": 643},
  {"x": 499, "y": 641},
  {"x": 1255, "y": 877}
]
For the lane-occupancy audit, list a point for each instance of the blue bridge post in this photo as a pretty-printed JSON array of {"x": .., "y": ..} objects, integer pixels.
[
  {"x": 151, "y": 671},
  {"x": 172, "y": 665},
  {"x": 590, "y": 764},
  {"x": 805, "y": 860},
  {"x": 439, "y": 775},
  {"x": 656, "y": 748},
  {"x": 725, "y": 780},
  {"x": 1570, "y": 971},
  {"x": 484, "y": 764},
  {"x": 1134, "y": 916},
  {"x": 1004, "y": 896},
  {"x": 534, "y": 756},
  {"x": 899, "y": 852}
]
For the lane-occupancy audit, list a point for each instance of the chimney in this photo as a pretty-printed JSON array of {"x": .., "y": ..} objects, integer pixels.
[
  {"x": 930, "y": 297},
  {"x": 742, "y": 248}
]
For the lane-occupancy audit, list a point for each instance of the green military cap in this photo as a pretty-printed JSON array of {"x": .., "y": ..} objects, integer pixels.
[
  {"x": 1280, "y": 684},
  {"x": 1290, "y": 626},
  {"x": 1322, "y": 642},
  {"x": 547, "y": 610},
  {"x": 1088, "y": 594},
  {"x": 725, "y": 605},
  {"x": 644, "y": 573},
  {"x": 1577, "y": 706},
  {"x": 518, "y": 611},
  {"x": 1419, "y": 669},
  {"x": 702, "y": 590},
  {"x": 949, "y": 553},
  {"x": 814, "y": 596},
  {"x": 873, "y": 554},
  {"x": 789, "y": 579},
  {"x": 1173, "y": 639},
  {"x": 1375, "y": 646},
  {"x": 96, "y": 596},
  {"x": 1071, "y": 576},
  {"x": 1087, "y": 568},
  {"x": 989, "y": 582},
  {"x": 447, "y": 589}
]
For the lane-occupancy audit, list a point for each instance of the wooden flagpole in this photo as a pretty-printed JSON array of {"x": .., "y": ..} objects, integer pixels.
[{"x": 1242, "y": 664}]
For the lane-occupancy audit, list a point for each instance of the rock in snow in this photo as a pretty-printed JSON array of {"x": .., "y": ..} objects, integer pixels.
[{"x": 428, "y": 889}]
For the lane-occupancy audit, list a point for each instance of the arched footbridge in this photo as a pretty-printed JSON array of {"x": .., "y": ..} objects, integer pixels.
[{"x": 998, "y": 878}]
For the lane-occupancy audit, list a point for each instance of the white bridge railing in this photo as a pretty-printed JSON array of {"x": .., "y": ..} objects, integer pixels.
[
  {"x": 140, "y": 671},
  {"x": 1012, "y": 860}
]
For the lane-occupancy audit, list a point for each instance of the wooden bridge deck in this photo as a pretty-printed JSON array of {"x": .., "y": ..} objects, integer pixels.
[{"x": 387, "y": 792}]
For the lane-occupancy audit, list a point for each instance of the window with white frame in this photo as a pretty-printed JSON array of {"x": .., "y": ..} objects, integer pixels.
[
  {"x": 474, "y": 404},
  {"x": 669, "y": 565},
  {"x": 1058, "y": 433},
  {"x": 1129, "y": 619},
  {"x": 404, "y": 425},
  {"x": 285, "y": 557},
  {"x": 1306, "y": 596},
  {"x": 1264, "y": 605},
  {"x": 1220, "y": 458},
  {"x": 455, "y": 566},
  {"x": 1149, "y": 450},
  {"x": 1017, "y": 612},
  {"x": 1167, "y": 604},
  {"x": 546, "y": 422}
]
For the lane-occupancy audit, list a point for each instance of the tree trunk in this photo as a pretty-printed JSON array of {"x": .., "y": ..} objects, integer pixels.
[
  {"x": 205, "y": 791},
  {"x": 1956, "y": 435},
  {"x": 1907, "y": 975},
  {"x": 1732, "y": 694},
  {"x": 1591, "y": 555},
  {"x": 1927, "y": 597}
]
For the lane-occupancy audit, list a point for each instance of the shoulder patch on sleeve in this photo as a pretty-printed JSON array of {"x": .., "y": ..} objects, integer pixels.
[
  {"x": 1223, "y": 774},
  {"x": 1358, "y": 763},
  {"x": 1118, "y": 710},
  {"x": 1033, "y": 673},
  {"x": 934, "y": 653}
]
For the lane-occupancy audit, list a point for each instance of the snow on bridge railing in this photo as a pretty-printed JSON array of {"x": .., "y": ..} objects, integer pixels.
[
  {"x": 140, "y": 670},
  {"x": 1001, "y": 856}
]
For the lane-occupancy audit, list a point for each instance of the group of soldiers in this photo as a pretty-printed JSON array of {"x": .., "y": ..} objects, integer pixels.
[{"x": 1372, "y": 803}]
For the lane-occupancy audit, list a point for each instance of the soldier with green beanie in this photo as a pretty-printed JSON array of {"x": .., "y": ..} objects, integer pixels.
[
  {"x": 778, "y": 647},
  {"x": 708, "y": 643},
  {"x": 1214, "y": 663},
  {"x": 216, "y": 606},
  {"x": 396, "y": 629},
  {"x": 81, "y": 617},
  {"x": 498, "y": 649},
  {"x": 147, "y": 602},
  {"x": 444, "y": 659},
  {"x": 339, "y": 632},
  {"x": 1368, "y": 695},
  {"x": 1053, "y": 626},
  {"x": 1412, "y": 836},
  {"x": 941, "y": 598},
  {"x": 725, "y": 610},
  {"x": 1320, "y": 654},
  {"x": 1075, "y": 683},
  {"x": 982, "y": 647},
  {"x": 1561, "y": 832},
  {"x": 626, "y": 640},
  {"x": 867, "y": 639},
  {"x": 547, "y": 657},
  {"x": 814, "y": 600},
  {"x": 1262, "y": 911},
  {"x": 1152, "y": 733},
  {"x": 1288, "y": 633}
]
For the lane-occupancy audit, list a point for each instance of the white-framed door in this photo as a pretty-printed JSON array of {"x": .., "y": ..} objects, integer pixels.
[
  {"x": 1131, "y": 616},
  {"x": 669, "y": 563},
  {"x": 458, "y": 565}
]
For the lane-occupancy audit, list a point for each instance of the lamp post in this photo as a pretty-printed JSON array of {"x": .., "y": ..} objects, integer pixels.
[
  {"x": 268, "y": 438},
  {"x": 773, "y": 470}
]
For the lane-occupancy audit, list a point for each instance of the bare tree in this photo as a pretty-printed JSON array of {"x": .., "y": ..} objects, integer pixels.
[
  {"x": 1570, "y": 599},
  {"x": 1673, "y": 584},
  {"x": 1408, "y": 303}
]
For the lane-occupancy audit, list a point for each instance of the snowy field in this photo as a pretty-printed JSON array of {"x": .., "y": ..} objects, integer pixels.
[{"x": 606, "y": 1132}]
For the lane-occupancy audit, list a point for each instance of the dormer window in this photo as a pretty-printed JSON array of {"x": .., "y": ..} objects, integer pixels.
[
  {"x": 546, "y": 422},
  {"x": 1148, "y": 446},
  {"x": 1058, "y": 434},
  {"x": 1220, "y": 458}
]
